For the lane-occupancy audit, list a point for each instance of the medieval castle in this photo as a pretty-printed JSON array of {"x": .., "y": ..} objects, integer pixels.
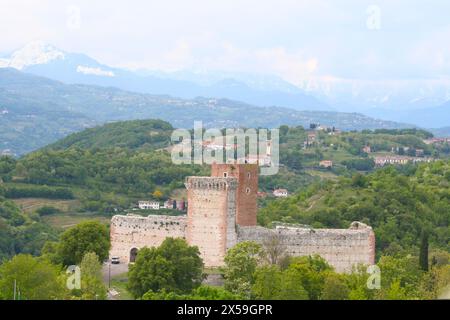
[{"x": 222, "y": 212}]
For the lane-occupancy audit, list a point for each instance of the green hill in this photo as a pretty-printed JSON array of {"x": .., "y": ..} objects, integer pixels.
[
  {"x": 345, "y": 149},
  {"x": 106, "y": 169},
  {"x": 36, "y": 111},
  {"x": 150, "y": 134}
]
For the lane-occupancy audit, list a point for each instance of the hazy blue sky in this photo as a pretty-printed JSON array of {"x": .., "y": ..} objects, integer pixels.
[{"x": 294, "y": 39}]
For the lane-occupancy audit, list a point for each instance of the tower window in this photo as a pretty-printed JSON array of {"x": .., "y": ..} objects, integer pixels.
[
  {"x": 225, "y": 174},
  {"x": 247, "y": 190},
  {"x": 249, "y": 175}
]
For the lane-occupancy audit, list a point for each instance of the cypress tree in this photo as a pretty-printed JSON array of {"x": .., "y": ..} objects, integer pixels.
[{"x": 423, "y": 256}]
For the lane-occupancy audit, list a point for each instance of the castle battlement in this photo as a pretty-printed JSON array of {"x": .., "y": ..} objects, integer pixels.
[
  {"x": 132, "y": 232},
  {"x": 342, "y": 248},
  {"x": 211, "y": 183}
]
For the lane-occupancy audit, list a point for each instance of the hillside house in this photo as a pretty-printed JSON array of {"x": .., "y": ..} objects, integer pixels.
[
  {"x": 148, "y": 205},
  {"x": 367, "y": 149},
  {"x": 280, "y": 193},
  {"x": 420, "y": 152},
  {"x": 382, "y": 161},
  {"x": 326, "y": 164}
]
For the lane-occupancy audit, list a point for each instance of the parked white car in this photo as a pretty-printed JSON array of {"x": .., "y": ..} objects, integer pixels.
[{"x": 115, "y": 260}]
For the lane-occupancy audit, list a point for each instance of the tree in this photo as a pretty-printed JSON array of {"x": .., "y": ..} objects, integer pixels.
[
  {"x": 423, "y": 256},
  {"x": 291, "y": 286},
  {"x": 92, "y": 286},
  {"x": 35, "y": 279},
  {"x": 240, "y": 265},
  {"x": 335, "y": 288},
  {"x": 358, "y": 180},
  {"x": 275, "y": 250},
  {"x": 47, "y": 210},
  {"x": 396, "y": 291},
  {"x": 267, "y": 284},
  {"x": 399, "y": 276},
  {"x": 273, "y": 284},
  {"x": 312, "y": 272},
  {"x": 212, "y": 293},
  {"x": 90, "y": 236},
  {"x": 357, "y": 284},
  {"x": 201, "y": 293},
  {"x": 157, "y": 194},
  {"x": 174, "y": 266}
]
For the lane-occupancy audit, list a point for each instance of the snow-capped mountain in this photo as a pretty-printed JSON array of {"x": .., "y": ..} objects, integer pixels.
[
  {"x": 45, "y": 60},
  {"x": 423, "y": 102},
  {"x": 34, "y": 53},
  {"x": 385, "y": 95},
  {"x": 384, "y": 99}
]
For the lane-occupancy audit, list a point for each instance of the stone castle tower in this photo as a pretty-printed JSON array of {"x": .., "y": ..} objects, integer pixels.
[
  {"x": 211, "y": 218},
  {"x": 222, "y": 212},
  {"x": 217, "y": 204}
]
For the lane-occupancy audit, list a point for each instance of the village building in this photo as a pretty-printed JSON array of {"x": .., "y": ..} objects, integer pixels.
[
  {"x": 149, "y": 205},
  {"x": 261, "y": 194},
  {"x": 400, "y": 160},
  {"x": 420, "y": 152},
  {"x": 280, "y": 193},
  {"x": 367, "y": 149},
  {"x": 436, "y": 141},
  {"x": 326, "y": 164},
  {"x": 170, "y": 204}
]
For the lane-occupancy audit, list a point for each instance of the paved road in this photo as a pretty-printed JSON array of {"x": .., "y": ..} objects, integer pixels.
[{"x": 116, "y": 269}]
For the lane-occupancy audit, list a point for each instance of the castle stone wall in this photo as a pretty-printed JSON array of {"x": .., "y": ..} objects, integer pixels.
[
  {"x": 131, "y": 231},
  {"x": 342, "y": 248}
]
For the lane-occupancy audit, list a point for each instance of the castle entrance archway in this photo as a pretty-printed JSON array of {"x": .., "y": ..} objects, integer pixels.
[{"x": 133, "y": 254}]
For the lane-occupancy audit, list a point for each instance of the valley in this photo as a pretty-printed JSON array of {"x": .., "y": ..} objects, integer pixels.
[{"x": 38, "y": 111}]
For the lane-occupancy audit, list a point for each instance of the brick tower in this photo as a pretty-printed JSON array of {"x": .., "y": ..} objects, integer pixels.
[{"x": 247, "y": 190}]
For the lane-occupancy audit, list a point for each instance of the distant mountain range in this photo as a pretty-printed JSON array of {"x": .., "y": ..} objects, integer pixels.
[
  {"x": 422, "y": 102},
  {"x": 36, "y": 111},
  {"x": 45, "y": 60},
  {"x": 441, "y": 132},
  {"x": 434, "y": 117}
]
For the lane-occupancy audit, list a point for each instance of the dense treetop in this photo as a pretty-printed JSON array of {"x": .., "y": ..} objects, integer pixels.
[{"x": 150, "y": 134}]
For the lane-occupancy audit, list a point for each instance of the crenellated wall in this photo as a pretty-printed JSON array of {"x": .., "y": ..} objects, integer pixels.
[
  {"x": 132, "y": 231},
  {"x": 342, "y": 248}
]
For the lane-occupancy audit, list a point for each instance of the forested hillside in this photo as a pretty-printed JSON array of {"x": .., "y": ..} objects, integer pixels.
[
  {"x": 35, "y": 111},
  {"x": 399, "y": 203},
  {"x": 146, "y": 134},
  {"x": 107, "y": 169}
]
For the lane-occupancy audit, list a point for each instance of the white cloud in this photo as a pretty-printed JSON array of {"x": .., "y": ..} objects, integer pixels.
[
  {"x": 291, "y": 38},
  {"x": 95, "y": 71},
  {"x": 290, "y": 66}
]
